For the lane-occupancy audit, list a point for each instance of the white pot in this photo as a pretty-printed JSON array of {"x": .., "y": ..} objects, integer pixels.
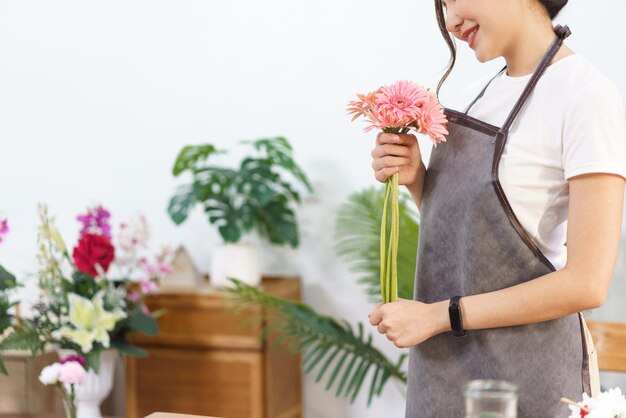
[
  {"x": 96, "y": 387},
  {"x": 240, "y": 261}
]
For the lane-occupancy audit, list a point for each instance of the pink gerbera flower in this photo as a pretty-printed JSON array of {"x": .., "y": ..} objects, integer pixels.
[
  {"x": 432, "y": 120},
  {"x": 363, "y": 106},
  {"x": 400, "y": 103},
  {"x": 401, "y": 107}
]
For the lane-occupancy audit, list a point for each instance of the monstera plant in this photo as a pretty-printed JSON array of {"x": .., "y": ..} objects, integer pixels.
[
  {"x": 258, "y": 195},
  {"x": 331, "y": 347}
]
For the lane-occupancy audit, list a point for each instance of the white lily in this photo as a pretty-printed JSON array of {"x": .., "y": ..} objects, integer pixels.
[{"x": 91, "y": 322}]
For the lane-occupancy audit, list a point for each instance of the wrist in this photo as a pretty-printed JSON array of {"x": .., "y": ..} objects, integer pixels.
[{"x": 442, "y": 317}]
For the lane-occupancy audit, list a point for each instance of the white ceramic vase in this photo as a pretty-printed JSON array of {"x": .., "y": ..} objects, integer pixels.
[
  {"x": 240, "y": 261},
  {"x": 96, "y": 387}
]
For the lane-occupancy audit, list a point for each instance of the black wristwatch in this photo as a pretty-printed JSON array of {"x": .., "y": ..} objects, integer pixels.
[{"x": 456, "y": 321}]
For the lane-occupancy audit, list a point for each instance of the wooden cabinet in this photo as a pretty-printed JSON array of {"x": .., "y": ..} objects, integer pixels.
[
  {"x": 208, "y": 361},
  {"x": 22, "y": 395}
]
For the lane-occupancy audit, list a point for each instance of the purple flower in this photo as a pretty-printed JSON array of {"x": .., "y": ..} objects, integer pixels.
[
  {"x": 4, "y": 228},
  {"x": 73, "y": 357},
  {"x": 95, "y": 221}
]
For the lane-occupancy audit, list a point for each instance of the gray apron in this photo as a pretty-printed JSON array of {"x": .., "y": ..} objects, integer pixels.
[{"x": 471, "y": 242}]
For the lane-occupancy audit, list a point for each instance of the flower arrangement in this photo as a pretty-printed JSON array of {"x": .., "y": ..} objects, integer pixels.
[
  {"x": 607, "y": 404},
  {"x": 81, "y": 306},
  {"x": 66, "y": 374},
  {"x": 8, "y": 283},
  {"x": 398, "y": 108}
]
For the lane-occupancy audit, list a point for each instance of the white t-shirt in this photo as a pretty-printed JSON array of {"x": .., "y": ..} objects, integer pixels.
[{"x": 572, "y": 123}]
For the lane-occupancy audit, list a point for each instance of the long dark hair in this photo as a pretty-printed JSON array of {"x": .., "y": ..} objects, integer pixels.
[{"x": 552, "y": 7}]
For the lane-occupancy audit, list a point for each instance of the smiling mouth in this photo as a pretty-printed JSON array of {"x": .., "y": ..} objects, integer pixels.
[{"x": 471, "y": 37}]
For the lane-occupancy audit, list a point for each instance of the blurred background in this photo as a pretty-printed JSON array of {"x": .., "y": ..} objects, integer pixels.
[{"x": 97, "y": 98}]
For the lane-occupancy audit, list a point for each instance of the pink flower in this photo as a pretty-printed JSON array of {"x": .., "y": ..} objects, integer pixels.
[
  {"x": 148, "y": 286},
  {"x": 432, "y": 121},
  {"x": 4, "y": 228},
  {"x": 159, "y": 266},
  {"x": 72, "y": 372},
  {"x": 133, "y": 296},
  {"x": 363, "y": 106},
  {"x": 400, "y": 103},
  {"x": 145, "y": 309},
  {"x": 401, "y": 107},
  {"x": 95, "y": 221},
  {"x": 74, "y": 357}
]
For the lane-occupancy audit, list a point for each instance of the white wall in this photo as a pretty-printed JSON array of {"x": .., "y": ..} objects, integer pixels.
[{"x": 96, "y": 98}]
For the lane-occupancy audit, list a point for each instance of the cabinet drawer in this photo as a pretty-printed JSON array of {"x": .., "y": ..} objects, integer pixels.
[{"x": 194, "y": 381}]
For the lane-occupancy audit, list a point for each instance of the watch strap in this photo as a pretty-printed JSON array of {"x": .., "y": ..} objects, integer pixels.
[{"x": 456, "y": 320}]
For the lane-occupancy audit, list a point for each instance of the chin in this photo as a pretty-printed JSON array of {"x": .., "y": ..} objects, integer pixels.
[{"x": 484, "y": 57}]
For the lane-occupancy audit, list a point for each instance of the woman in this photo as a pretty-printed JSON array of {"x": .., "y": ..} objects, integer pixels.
[{"x": 536, "y": 161}]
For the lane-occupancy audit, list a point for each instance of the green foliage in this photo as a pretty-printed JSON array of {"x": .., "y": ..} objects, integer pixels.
[
  {"x": 82, "y": 284},
  {"x": 358, "y": 240},
  {"x": 236, "y": 201},
  {"x": 136, "y": 321},
  {"x": 324, "y": 341},
  {"x": 93, "y": 359},
  {"x": 22, "y": 338},
  {"x": 7, "y": 280}
]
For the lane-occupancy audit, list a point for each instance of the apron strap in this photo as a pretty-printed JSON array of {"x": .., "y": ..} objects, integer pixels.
[
  {"x": 562, "y": 32},
  {"x": 483, "y": 90}
]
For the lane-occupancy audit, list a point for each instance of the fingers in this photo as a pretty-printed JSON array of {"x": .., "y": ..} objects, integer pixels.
[
  {"x": 383, "y": 174},
  {"x": 376, "y": 315},
  {"x": 389, "y": 161},
  {"x": 400, "y": 139},
  {"x": 388, "y": 149}
]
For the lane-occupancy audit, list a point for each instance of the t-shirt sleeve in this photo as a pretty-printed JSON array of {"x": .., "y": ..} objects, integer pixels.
[{"x": 594, "y": 133}]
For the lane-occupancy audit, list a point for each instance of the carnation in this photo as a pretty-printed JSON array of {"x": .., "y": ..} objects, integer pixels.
[
  {"x": 72, "y": 372},
  {"x": 50, "y": 374},
  {"x": 93, "y": 251}
]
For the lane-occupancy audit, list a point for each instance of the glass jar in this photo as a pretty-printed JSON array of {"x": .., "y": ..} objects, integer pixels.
[{"x": 490, "y": 399}]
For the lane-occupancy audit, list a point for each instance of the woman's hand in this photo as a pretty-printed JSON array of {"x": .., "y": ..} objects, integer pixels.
[
  {"x": 396, "y": 153},
  {"x": 409, "y": 322}
]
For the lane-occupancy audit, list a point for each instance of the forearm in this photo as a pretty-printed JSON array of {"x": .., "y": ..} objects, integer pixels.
[
  {"x": 551, "y": 296},
  {"x": 416, "y": 187}
]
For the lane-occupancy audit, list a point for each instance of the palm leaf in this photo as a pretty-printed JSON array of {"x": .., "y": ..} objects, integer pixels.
[
  {"x": 357, "y": 234},
  {"x": 320, "y": 339}
]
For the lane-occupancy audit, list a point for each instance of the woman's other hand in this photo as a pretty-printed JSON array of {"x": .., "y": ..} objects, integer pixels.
[{"x": 409, "y": 322}]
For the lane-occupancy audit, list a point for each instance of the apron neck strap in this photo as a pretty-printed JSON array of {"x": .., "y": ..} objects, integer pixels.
[{"x": 562, "y": 32}]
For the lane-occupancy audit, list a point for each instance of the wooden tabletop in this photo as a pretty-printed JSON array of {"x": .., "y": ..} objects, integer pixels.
[{"x": 170, "y": 415}]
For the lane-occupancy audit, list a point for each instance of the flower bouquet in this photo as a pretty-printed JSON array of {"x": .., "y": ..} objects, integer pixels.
[
  {"x": 608, "y": 404},
  {"x": 398, "y": 108},
  {"x": 83, "y": 310}
]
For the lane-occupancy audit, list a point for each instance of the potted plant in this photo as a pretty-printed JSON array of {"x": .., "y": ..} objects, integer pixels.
[{"x": 256, "y": 196}]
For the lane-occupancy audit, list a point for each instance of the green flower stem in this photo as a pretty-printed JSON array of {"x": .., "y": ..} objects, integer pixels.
[
  {"x": 395, "y": 230},
  {"x": 69, "y": 400},
  {"x": 389, "y": 250},
  {"x": 383, "y": 244}
]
